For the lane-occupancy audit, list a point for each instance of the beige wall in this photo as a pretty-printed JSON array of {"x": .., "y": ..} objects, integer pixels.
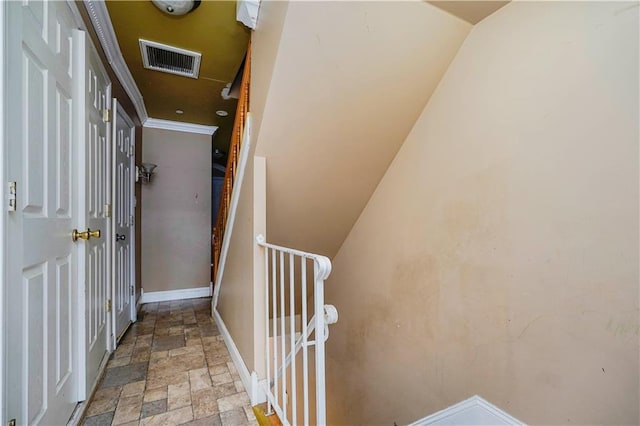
[
  {"x": 237, "y": 291},
  {"x": 265, "y": 42},
  {"x": 176, "y": 211},
  {"x": 499, "y": 254},
  {"x": 348, "y": 82}
]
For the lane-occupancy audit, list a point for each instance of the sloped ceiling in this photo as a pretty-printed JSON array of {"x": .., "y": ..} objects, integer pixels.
[
  {"x": 349, "y": 82},
  {"x": 212, "y": 30},
  {"x": 472, "y": 11}
]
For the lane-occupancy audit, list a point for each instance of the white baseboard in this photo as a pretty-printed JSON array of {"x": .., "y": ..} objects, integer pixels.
[
  {"x": 249, "y": 380},
  {"x": 164, "y": 296}
]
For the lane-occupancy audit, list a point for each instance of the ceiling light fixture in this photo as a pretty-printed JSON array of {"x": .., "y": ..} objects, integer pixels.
[
  {"x": 176, "y": 7},
  {"x": 221, "y": 113}
]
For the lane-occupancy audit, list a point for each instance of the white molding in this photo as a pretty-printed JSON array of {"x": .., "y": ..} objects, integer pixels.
[
  {"x": 178, "y": 126},
  {"x": 101, "y": 22},
  {"x": 231, "y": 217},
  {"x": 182, "y": 294},
  {"x": 3, "y": 196},
  {"x": 472, "y": 411},
  {"x": 249, "y": 380}
]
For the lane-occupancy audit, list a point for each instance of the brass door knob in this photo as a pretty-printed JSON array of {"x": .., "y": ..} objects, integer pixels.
[
  {"x": 86, "y": 235},
  {"x": 83, "y": 235}
]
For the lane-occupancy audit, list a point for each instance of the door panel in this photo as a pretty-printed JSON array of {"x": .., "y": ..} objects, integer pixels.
[
  {"x": 123, "y": 184},
  {"x": 41, "y": 373},
  {"x": 94, "y": 253}
]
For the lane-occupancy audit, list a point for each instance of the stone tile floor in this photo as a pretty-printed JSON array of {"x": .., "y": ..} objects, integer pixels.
[{"x": 171, "y": 367}]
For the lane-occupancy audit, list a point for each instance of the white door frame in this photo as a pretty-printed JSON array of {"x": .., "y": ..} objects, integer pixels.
[
  {"x": 89, "y": 53},
  {"x": 3, "y": 197},
  {"x": 134, "y": 225},
  {"x": 117, "y": 110}
]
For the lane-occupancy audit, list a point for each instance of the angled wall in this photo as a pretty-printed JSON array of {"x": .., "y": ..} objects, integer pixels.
[
  {"x": 348, "y": 82},
  {"x": 499, "y": 254},
  {"x": 335, "y": 88}
]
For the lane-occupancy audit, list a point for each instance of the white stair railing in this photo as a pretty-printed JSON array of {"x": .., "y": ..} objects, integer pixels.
[{"x": 290, "y": 333}]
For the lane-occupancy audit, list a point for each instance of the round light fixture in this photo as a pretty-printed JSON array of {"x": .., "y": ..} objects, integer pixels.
[
  {"x": 221, "y": 113},
  {"x": 179, "y": 111},
  {"x": 177, "y": 7}
]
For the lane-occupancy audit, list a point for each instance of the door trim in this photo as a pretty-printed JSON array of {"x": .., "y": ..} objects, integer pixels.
[
  {"x": 3, "y": 197},
  {"x": 117, "y": 109}
]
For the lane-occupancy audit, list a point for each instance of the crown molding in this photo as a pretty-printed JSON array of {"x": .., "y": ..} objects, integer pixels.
[
  {"x": 101, "y": 22},
  {"x": 178, "y": 126}
]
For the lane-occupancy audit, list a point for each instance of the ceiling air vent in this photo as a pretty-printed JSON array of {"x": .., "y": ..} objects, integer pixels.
[{"x": 160, "y": 57}]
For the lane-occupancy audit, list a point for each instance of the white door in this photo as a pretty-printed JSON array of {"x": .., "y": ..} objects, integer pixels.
[
  {"x": 92, "y": 87},
  {"x": 41, "y": 382},
  {"x": 123, "y": 208}
]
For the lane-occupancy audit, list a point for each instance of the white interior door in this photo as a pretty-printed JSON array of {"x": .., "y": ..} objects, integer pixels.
[
  {"x": 123, "y": 208},
  {"x": 93, "y": 94},
  {"x": 41, "y": 385}
]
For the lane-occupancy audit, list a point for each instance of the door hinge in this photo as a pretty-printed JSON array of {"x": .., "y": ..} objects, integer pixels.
[
  {"x": 106, "y": 115},
  {"x": 107, "y": 210},
  {"x": 12, "y": 197},
  {"x": 12, "y": 422},
  {"x": 132, "y": 291},
  {"x": 107, "y": 305}
]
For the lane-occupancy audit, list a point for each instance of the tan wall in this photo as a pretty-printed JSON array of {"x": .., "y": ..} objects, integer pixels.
[
  {"x": 176, "y": 211},
  {"x": 265, "y": 42},
  {"x": 349, "y": 81},
  {"x": 237, "y": 291},
  {"x": 499, "y": 254}
]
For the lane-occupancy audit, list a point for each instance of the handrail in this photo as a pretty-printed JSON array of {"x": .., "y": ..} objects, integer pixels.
[
  {"x": 280, "y": 263},
  {"x": 323, "y": 261},
  {"x": 239, "y": 123}
]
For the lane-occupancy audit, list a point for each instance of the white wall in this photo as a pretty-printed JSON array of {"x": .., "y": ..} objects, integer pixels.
[
  {"x": 176, "y": 211},
  {"x": 499, "y": 254}
]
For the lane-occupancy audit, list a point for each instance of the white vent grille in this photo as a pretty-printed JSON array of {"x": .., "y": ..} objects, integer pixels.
[{"x": 160, "y": 57}]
